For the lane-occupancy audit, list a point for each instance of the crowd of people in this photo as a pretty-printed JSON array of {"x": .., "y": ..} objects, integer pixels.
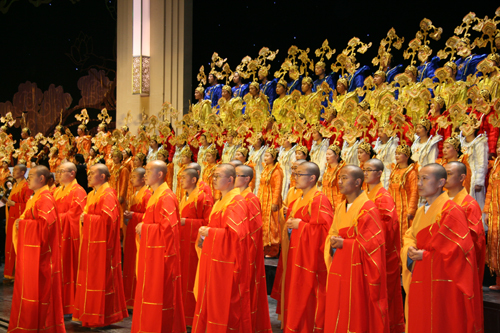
[{"x": 354, "y": 181}]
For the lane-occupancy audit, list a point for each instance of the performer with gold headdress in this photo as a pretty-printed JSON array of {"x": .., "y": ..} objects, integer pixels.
[
  {"x": 269, "y": 194},
  {"x": 119, "y": 181},
  {"x": 229, "y": 146},
  {"x": 452, "y": 152},
  {"x": 385, "y": 149},
  {"x": 492, "y": 220},
  {"x": 256, "y": 158},
  {"x": 208, "y": 172},
  {"x": 186, "y": 157},
  {"x": 213, "y": 92},
  {"x": 201, "y": 109},
  {"x": 485, "y": 113},
  {"x": 334, "y": 164},
  {"x": 491, "y": 75},
  {"x": 286, "y": 157},
  {"x": 309, "y": 104},
  {"x": 424, "y": 149}
]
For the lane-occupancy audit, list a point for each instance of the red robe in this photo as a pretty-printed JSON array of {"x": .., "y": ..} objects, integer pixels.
[
  {"x": 36, "y": 302},
  {"x": 99, "y": 297},
  {"x": 357, "y": 282},
  {"x": 196, "y": 210},
  {"x": 258, "y": 289},
  {"x": 70, "y": 202},
  {"x": 158, "y": 298},
  {"x": 305, "y": 276},
  {"x": 138, "y": 203},
  {"x": 20, "y": 194},
  {"x": 444, "y": 282},
  {"x": 221, "y": 289},
  {"x": 389, "y": 218}
]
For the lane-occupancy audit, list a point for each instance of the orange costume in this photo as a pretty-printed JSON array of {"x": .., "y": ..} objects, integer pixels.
[
  {"x": 36, "y": 302},
  {"x": 444, "y": 282},
  {"x": 196, "y": 210},
  {"x": 119, "y": 181},
  {"x": 305, "y": 276},
  {"x": 330, "y": 187},
  {"x": 492, "y": 208},
  {"x": 25, "y": 155},
  {"x": 271, "y": 180},
  {"x": 258, "y": 289},
  {"x": 4, "y": 174},
  {"x": 83, "y": 145},
  {"x": 221, "y": 289},
  {"x": 390, "y": 224},
  {"x": 70, "y": 202},
  {"x": 20, "y": 194},
  {"x": 158, "y": 297},
  {"x": 464, "y": 159},
  {"x": 179, "y": 192},
  {"x": 208, "y": 175},
  {"x": 138, "y": 203},
  {"x": 403, "y": 189},
  {"x": 99, "y": 297}
]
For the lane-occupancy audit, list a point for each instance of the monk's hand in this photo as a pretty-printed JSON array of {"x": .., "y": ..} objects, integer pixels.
[
  {"x": 409, "y": 217},
  {"x": 82, "y": 217},
  {"x": 415, "y": 254},
  {"x": 285, "y": 210},
  {"x": 138, "y": 228},
  {"x": 478, "y": 188},
  {"x": 10, "y": 203},
  {"x": 183, "y": 221},
  {"x": 293, "y": 223},
  {"x": 337, "y": 242},
  {"x": 320, "y": 183},
  {"x": 121, "y": 200},
  {"x": 203, "y": 231},
  {"x": 17, "y": 223},
  {"x": 274, "y": 208},
  {"x": 128, "y": 214},
  {"x": 486, "y": 218}
]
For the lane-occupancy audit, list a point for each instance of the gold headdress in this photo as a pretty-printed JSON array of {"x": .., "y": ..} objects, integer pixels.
[
  {"x": 141, "y": 156},
  {"x": 439, "y": 100},
  {"x": 104, "y": 117},
  {"x": 248, "y": 68},
  {"x": 366, "y": 147},
  {"x": 202, "y": 78},
  {"x": 8, "y": 119},
  {"x": 421, "y": 43},
  {"x": 265, "y": 54},
  {"x": 186, "y": 151},
  {"x": 212, "y": 150},
  {"x": 307, "y": 80},
  {"x": 336, "y": 149},
  {"x": 454, "y": 141},
  {"x": 426, "y": 123},
  {"x": 217, "y": 61},
  {"x": 272, "y": 151},
  {"x": 469, "y": 125},
  {"x": 324, "y": 51},
  {"x": 403, "y": 148},
  {"x": 345, "y": 81},
  {"x": 346, "y": 61},
  {"x": 243, "y": 151},
  {"x": 453, "y": 43},
  {"x": 302, "y": 149},
  {"x": 381, "y": 73},
  {"x": 489, "y": 29},
  {"x": 83, "y": 118},
  {"x": 412, "y": 69},
  {"x": 385, "y": 47}
]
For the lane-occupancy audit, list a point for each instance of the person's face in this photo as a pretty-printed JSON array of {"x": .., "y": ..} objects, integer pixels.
[
  {"x": 371, "y": 175},
  {"x": 257, "y": 144},
  {"x": 34, "y": 182},
  {"x": 197, "y": 95},
  {"x": 32, "y": 165},
  {"x": 79, "y": 131},
  {"x": 480, "y": 100},
  {"x": 382, "y": 135},
  {"x": 295, "y": 165},
  {"x": 226, "y": 94},
  {"x": 378, "y": 80},
  {"x": 280, "y": 90},
  {"x": 253, "y": 91},
  {"x": 240, "y": 157},
  {"x": 24, "y": 135},
  {"x": 210, "y": 158},
  {"x": 363, "y": 156},
  {"x": 92, "y": 153},
  {"x": 152, "y": 175},
  {"x": 331, "y": 157},
  {"x": 230, "y": 139},
  {"x": 5, "y": 165},
  {"x": 401, "y": 158},
  {"x": 340, "y": 88},
  {"x": 268, "y": 158},
  {"x": 211, "y": 79},
  {"x": 125, "y": 155},
  {"x": 410, "y": 75},
  {"x": 302, "y": 178},
  {"x": 287, "y": 143},
  {"x": 448, "y": 151},
  {"x": 153, "y": 144},
  {"x": 187, "y": 181},
  {"x": 220, "y": 181},
  {"x": 17, "y": 173},
  {"x": 185, "y": 159},
  {"x": 117, "y": 159},
  {"x": 319, "y": 70},
  {"x": 454, "y": 178},
  {"x": 203, "y": 141},
  {"x": 434, "y": 108},
  {"x": 100, "y": 129},
  {"x": 449, "y": 70},
  {"x": 137, "y": 180},
  {"x": 236, "y": 78},
  {"x": 8, "y": 185},
  {"x": 316, "y": 136},
  {"x": 94, "y": 177},
  {"x": 241, "y": 179},
  {"x": 305, "y": 87},
  {"x": 162, "y": 157},
  {"x": 346, "y": 182},
  {"x": 64, "y": 176},
  {"x": 420, "y": 131},
  {"x": 427, "y": 184},
  {"x": 300, "y": 155},
  {"x": 137, "y": 162}
]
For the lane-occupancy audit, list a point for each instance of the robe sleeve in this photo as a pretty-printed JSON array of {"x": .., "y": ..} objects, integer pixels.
[
  {"x": 487, "y": 201},
  {"x": 276, "y": 183},
  {"x": 411, "y": 183},
  {"x": 204, "y": 208},
  {"x": 72, "y": 216}
]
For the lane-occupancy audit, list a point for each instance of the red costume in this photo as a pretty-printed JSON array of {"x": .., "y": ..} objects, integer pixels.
[
  {"x": 70, "y": 203},
  {"x": 158, "y": 298},
  {"x": 99, "y": 297},
  {"x": 20, "y": 194},
  {"x": 36, "y": 302},
  {"x": 196, "y": 210}
]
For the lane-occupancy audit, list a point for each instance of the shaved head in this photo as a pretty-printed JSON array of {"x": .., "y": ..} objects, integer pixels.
[
  {"x": 195, "y": 166},
  {"x": 437, "y": 170},
  {"x": 376, "y": 164},
  {"x": 227, "y": 169},
  {"x": 102, "y": 169},
  {"x": 461, "y": 168},
  {"x": 355, "y": 172},
  {"x": 69, "y": 166},
  {"x": 299, "y": 162},
  {"x": 139, "y": 171},
  {"x": 159, "y": 166},
  {"x": 236, "y": 163},
  {"x": 245, "y": 170},
  {"x": 191, "y": 173},
  {"x": 312, "y": 168},
  {"x": 21, "y": 167},
  {"x": 41, "y": 170}
]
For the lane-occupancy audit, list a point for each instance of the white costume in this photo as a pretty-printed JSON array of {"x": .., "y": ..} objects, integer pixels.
[
  {"x": 386, "y": 152},
  {"x": 285, "y": 159}
]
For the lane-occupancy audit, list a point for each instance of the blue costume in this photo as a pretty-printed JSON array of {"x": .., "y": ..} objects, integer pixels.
[
  {"x": 330, "y": 79},
  {"x": 392, "y": 72},
  {"x": 357, "y": 80},
  {"x": 241, "y": 91},
  {"x": 295, "y": 85},
  {"x": 269, "y": 89},
  {"x": 214, "y": 93},
  {"x": 427, "y": 70},
  {"x": 467, "y": 66}
]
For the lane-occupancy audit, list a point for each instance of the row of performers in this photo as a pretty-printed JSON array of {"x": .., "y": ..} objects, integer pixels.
[{"x": 195, "y": 261}]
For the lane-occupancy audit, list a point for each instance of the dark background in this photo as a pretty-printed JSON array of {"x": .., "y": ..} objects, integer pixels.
[{"x": 35, "y": 41}]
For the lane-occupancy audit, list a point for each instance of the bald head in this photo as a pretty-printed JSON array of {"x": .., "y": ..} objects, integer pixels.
[
  {"x": 236, "y": 163},
  {"x": 22, "y": 168},
  {"x": 140, "y": 172},
  {"x": 460, "y": 167},
  {"x": 355, "y": 172},
  {"x": 194, "y": 166},
  {"x": 311, "y": 168},
  {"x": 191, "y": 173},
  {"x": 246, "y": 171},
  {"x": 376, "y": 164},
  {"x": 227, "y": 170},
  {"x": 158, "y": 166},
  {"x": 69, "y": 166},
  {"x": 437, "y": 170},
  {"x": 42, "y": 171},
  {"x": 102, "y": 169},
  {"x": 299, "y": 162}
]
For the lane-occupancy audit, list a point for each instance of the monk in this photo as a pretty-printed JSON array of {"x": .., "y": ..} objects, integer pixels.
[
  {"x": 158, "y": 297},
  {"x": 36, "y": 302},
  {"x": 133, "y": 216},
  {"x": 439, "y": 263},
  {"x": 222, "y": 291},
  {"x": 195, "y": 208},
  {"x": 71, "y": 199},
  {"x": 201, "y": 184},
  {"x": 373, "y": 170},
  {"x": 119, "y": 181},
  {"x": 456, "y": 175},
  {"x": 258, "y": 289},
  {"x": 309, "y": 218},
  {"x": 99, "y": 297},
  {"x": 16, "y": 204},
  {"x": 354, "y": 253}
]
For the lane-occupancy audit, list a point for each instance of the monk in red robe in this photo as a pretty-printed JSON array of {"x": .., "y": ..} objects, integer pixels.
[
  {"x": 71, "y": 199},
  {"x": 158, "y": 297},
  {"x": 309, "y": 218},
  {"x": 99, "y": 297},
  {"x": 201, "y": 184},
  {"x": 221, "y": 289},
  {"x": 195, "y": 208},
  {"x": 132, "y": 217},
  {"x": 258, "y": 288},
  {"x": 36, "y": 302},
  {"x": 119, "y": 180},
  {"x": 354, "y": 253},
  {"x": 16, "y": 204},
  {"x": 439, "y": 263},
  {"x": 373, "y": 170}
]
